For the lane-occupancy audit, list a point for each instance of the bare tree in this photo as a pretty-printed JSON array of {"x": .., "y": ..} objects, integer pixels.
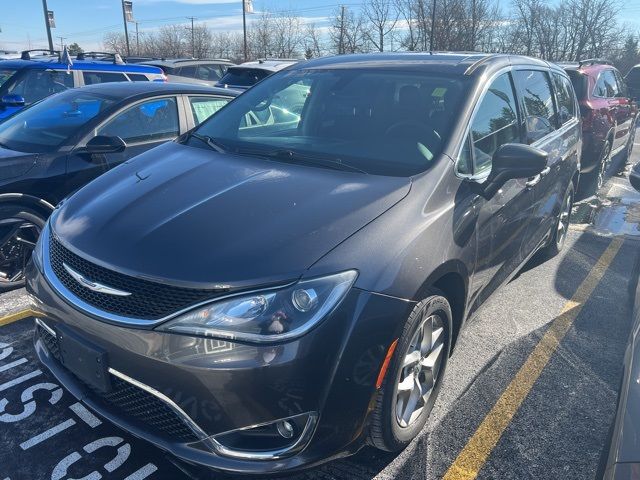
[
  {"x": 348, "y": 32},
  {"x": 382, "y": 17}
]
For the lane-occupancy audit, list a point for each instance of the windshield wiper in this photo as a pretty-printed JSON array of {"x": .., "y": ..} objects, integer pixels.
[
  {"x": 292, "y": 156},
  {"x": 209, "y": 141}
]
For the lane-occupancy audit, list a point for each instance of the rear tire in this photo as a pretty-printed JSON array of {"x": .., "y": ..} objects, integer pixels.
[
  {"x": 559, "y": 235},
  {"x": 410, "y": 390},
  {"x": 20, "y": 227},
  {"x": 594, "y": 180}
]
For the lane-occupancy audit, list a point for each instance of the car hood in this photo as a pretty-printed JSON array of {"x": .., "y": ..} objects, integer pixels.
[
  {"x": 14, "y": 164},
  {"x": 193, "y": 217}
]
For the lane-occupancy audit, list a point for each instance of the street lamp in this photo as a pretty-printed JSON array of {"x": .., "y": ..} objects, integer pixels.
[
  {"x": 127, "y": 16},
  {"x": 247, "y": 7}
]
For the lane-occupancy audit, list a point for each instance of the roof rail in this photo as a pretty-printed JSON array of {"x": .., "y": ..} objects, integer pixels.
[
  {"x": 117, "y": 59},
  {"x": 271, "y": 59},
  {"x": 475, "y": 65},
  {"x": 594, "y": 61},
  {"x": 184, "y": 60},
  {"x": 26, "y": 54}
]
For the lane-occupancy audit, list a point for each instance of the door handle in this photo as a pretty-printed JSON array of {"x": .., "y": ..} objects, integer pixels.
[
  {"x": 534, "y": 181},
  {"x": 545, "y": 172}
]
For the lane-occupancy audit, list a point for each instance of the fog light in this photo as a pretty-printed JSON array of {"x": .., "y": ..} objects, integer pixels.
[
  {"x": 304, "y": 299},
  {"x": 285, "y": 429}
]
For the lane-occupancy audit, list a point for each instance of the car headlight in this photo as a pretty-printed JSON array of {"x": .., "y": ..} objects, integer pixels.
[{"x": 267, "y": 315}]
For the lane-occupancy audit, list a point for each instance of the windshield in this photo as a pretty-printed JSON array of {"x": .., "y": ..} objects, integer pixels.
[
  {"x": 376, "y": 121},
  {"x": 49, "y": 123},
  {"x": 244, "y": 77},
  {"x": 5, "y": 75}
]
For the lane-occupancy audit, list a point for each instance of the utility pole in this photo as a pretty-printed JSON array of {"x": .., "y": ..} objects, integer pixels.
[
  {"x": 137, "y": 40},
  {"x": 433, "y": 25},
  {"x": 46, "y": 22},
  {"x": 341, "y": 41},
  {"x": 193, "y": 38},
  {"x": 62, "y": 39},
  {"x": 244, "y": 27},
  {"x": 126, "y": 30}
]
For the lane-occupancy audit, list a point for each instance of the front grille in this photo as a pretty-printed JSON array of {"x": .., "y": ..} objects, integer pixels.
[
  {"x": 133, "y": 401},
  {"x": 148, "y": 300}
]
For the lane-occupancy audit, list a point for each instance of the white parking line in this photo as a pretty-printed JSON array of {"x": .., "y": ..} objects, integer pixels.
[
  {"x": 20, "y": 361},
  {"x": 85, "y": 415},
  {"x": 19, "y": 380},
  {"x": 47, "y": 434},
  {"x": 144, "y": 472}
]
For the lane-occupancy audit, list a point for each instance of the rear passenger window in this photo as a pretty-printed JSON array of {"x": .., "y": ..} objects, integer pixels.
[
  {"x": 494, "y": 124},
  {"x": 606, "y": 85},
  {"x": 538, "y": 103},
  {"x": 566, "y": 102},
  {"x": 137, "y": 77},
  {"x": 91, "y": 78}
]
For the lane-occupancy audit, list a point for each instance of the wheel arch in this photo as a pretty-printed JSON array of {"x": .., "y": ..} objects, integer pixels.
[
  {"x": 38, "y": 204},
  {"x": 451, "y": 278}
]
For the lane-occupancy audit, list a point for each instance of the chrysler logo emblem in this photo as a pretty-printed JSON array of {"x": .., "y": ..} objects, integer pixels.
[{"x": 96, "y": 287}]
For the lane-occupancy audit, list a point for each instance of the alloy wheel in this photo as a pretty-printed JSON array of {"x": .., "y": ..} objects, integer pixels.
[
  {"x": 420, "y": 370},
  {"x": 19, "y": 239},
  {"x": 563, "y": 221}
]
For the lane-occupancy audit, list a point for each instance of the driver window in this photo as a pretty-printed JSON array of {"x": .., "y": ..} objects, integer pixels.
[
  {"x": 494, "y": 124},
  {"x": 540, "y": 113},
  {"x": 148, "y": 121},
  {"x": 39, "y": 84}
]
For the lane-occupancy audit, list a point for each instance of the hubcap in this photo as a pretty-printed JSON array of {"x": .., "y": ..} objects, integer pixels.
[
  {"x": 420, "y": 370},
  {"x": 563, "y": 221},
  {"x": 19, "y": 238}
]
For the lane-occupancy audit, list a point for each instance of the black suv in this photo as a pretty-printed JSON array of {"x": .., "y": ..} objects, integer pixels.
[{"x": 262, "y": 296}]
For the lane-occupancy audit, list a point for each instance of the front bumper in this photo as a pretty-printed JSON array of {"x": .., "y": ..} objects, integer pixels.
[{"x": 222, "y": 386}]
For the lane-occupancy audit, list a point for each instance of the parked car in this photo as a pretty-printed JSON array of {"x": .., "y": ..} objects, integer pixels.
[
  {"x": 623, "y": 460},
  {"x": 633, "y": 82},
  {"x": 262, "y": 297},
  {"x": 61, "y": 143},
  {"x": 248, "y": 74},
  {"x": 32, "y": 78},
  {"x": 608, "y": 117},
  {"x": 183, "y": 70}
]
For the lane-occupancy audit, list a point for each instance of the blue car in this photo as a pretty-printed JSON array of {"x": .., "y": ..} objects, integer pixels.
[{"x": 32, "y": 78}]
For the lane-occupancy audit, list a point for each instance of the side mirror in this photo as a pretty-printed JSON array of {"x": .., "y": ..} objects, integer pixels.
[
  {"x": 104, "y": 144},
  {"x": 634, "y": 176},
  {"x": 516, "y": 160},
  {"x": 12, "y": 101}
]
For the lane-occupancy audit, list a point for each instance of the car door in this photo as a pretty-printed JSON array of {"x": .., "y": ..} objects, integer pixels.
[
  {"x": 502, "y": 219},
  {"x": 558, "y": 137}
]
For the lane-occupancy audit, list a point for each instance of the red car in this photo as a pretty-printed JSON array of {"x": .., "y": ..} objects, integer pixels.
[{"x": 608, "y": 117}]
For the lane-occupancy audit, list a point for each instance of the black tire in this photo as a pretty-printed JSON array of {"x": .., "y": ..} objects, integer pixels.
[
  {"x": 630, "y": 143},
  {"x": 559, "y": 236},
  {"x": 14, "y": 256},
  {"x": 594, "y": 180},
  {"x": 385, "y": 431}
]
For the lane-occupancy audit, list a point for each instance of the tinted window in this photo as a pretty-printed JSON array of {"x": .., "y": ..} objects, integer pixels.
[
  {"x": 244, "y": 77},
  {"x": 203, "y": 107},
  {"x": 564, "y": 95},
  {"x": 5, "y": 75},
  {"x": 147, "y": 121},
  {"x": 35, "y": 84},
  {"x": 632, "y": 77},
  {"x": 606, "y": 85},
  {"x": 208, "y": 72},
  {"x": 137, "y": 77},
  {"x": 622, "y": 85},
  {"x": 494, "y": 124},
  {"x": 189, "y": 71},
  {"x": 379, "y": 121},
  {"x": 579, "y": 82},
  {"x": 538, "y": 103},
  {"x": 48, "y": 124},
  {"x": 91, "y": 78}
]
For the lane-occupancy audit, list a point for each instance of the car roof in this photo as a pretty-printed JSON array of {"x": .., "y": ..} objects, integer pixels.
[
  {"x": 130, "y": 89},
  {"x": 93, "y": 65},
  {"x": 271, "y": 65},
  {"x": 463, "y": 63},
  {"x": 593, "y": 66},
  {"x": 174, "y": 62}
]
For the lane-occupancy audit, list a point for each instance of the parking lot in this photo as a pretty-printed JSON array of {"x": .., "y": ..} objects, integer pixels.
[{"x": 530, "y": 391}]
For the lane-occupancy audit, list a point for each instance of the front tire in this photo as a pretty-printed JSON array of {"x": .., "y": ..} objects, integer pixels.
[
  {"x": 414, "y": 377},
  {"x": 20, "y": 228},
  {"x": 559, "y": 235}
]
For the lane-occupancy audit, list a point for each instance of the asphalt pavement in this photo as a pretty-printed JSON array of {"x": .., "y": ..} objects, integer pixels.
[{"x": 530, "y": 390}]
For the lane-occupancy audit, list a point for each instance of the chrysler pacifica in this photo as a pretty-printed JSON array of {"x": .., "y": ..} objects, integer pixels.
[{"x": 284, "y": 284}]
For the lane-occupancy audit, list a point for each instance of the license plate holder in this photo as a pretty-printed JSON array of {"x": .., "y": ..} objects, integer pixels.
[{"x": 85, "y": 360}]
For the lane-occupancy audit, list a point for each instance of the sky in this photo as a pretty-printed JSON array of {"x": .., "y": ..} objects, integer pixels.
[{"x": 86, "y": 21}]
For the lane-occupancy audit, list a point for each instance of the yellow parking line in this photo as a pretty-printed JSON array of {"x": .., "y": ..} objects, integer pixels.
[
  {"x": 14, "y": 317},
  {"x": 477, "y": 450}
]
